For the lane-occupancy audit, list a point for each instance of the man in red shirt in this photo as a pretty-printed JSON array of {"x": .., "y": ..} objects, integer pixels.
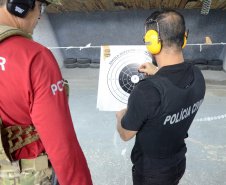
[{"x": 33, "y": 95}]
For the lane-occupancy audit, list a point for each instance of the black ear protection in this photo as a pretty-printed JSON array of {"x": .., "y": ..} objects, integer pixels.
[{"x": 20, "y": 8}]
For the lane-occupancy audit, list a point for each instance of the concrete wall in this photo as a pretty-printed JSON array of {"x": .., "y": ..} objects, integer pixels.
[
  {"x": 127, "y": 28},
  {"x": 45, "y": 35}
]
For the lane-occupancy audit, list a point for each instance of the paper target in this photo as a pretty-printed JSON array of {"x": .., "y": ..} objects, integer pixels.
[
  {"x": 129, "y": 77},
  {"x": 119, "y": 75},
  {"x": 123, "y": 74}
]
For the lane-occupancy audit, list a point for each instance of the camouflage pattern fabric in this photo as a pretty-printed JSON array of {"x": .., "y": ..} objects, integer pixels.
[
  {"x": 8, "y": 31},
  {"x": 26, "y": 178},
  {"x": 25, "y": 171},
  {"x": 5, "y": 159}
]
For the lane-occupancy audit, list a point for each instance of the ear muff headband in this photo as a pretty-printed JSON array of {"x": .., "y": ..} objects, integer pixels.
[
  {"x": 152, "y": 39},
  {"x": 20, "y": 8}
]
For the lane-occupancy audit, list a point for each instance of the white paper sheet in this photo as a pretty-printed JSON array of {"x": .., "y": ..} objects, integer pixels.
[{"x": 119, "y": 74}]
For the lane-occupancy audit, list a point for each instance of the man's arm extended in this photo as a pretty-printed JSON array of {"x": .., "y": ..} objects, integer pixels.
[
  {"x": 148, "y": 69},
  {"x": 126, "y": 135}
]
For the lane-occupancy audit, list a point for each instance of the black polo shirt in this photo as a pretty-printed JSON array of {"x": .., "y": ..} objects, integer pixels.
[{"x": 144, "y": 105}]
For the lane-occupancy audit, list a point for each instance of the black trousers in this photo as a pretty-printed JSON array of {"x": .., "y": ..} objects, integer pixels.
[{"x": 169, "y": 176}]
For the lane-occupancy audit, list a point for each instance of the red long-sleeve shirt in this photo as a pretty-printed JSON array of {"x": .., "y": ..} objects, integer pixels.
[{"x": 32, "y": 92}]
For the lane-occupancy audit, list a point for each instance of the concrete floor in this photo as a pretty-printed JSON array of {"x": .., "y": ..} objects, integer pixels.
[{"x": 108, "y": 156}]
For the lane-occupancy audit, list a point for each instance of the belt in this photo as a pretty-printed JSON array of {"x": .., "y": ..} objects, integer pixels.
[{"x": 38, "y": 164}]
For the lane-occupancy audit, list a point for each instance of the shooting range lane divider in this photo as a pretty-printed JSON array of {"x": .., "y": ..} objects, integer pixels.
[
  {"x": 89, "y": 46},
  {"x": 75, "y": 47},
  {"x": 200, "y": 45}
]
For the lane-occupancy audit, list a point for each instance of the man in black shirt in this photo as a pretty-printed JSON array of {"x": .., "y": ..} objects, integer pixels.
[{"x": 162, "y": 107}]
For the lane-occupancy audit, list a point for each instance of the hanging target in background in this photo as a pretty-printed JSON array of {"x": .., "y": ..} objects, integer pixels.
[{"x": 123, "y": 74}]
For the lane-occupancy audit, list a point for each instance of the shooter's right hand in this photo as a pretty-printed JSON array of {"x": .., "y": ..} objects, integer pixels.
[{"x": 148, "y": 69}]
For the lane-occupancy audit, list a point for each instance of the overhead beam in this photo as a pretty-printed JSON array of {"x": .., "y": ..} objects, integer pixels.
[{"x": 183, "y": 4}]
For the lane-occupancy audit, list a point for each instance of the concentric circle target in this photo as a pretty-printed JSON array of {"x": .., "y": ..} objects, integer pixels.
[
  {"x": 123, "y": 74},
  {"x": 129, "y": 77}
]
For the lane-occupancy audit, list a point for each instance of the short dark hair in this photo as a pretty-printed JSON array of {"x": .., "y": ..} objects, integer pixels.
[
  {"x": 171, "y": 27},
  {"x": 2, "y": 2}
]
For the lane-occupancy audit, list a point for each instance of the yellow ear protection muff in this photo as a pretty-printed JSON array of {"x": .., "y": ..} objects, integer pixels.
[
  {"x": 185, "y": 38},
  {"x": 152, "y": 39}
]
